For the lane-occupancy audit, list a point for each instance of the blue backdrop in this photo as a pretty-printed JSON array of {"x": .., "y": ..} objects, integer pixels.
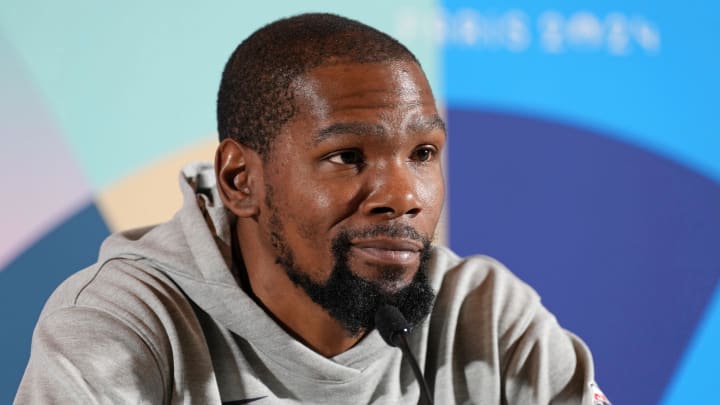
[{"x": 585, "y": 154}]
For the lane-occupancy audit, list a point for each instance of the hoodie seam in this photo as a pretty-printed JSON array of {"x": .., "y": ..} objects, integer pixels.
[{"x": 95, "y": 276}]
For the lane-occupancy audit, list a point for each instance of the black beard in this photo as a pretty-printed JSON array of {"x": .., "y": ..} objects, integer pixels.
[{"x": 352, "y": 300}]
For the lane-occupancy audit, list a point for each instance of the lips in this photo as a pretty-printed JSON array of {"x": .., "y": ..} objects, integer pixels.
[{"x": 388, "y": 251}]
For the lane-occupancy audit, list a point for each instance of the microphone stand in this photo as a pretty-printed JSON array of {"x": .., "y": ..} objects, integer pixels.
[
  {"x": 424, "y": 389},
  {"x": 394, "y": 330}
]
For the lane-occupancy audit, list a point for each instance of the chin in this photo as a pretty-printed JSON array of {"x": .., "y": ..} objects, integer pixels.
[{"x": 388, "y": 278}]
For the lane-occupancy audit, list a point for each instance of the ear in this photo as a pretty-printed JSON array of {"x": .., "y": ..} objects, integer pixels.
[{"x": 238, "y": 170}]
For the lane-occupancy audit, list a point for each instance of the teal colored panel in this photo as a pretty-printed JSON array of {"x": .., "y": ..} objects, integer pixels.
[
  {"x": 696, "y": 380},
  {"x": 129, "y": 82}
]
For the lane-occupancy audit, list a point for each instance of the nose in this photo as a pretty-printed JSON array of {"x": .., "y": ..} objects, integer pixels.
[{"x": 394, "y": 192}]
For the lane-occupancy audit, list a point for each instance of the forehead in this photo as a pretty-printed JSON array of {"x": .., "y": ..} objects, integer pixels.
[{"x": 361, "y": 91}]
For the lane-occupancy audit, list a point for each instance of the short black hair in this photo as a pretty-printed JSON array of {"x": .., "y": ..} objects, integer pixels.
[{"x": 256, "y": 99}]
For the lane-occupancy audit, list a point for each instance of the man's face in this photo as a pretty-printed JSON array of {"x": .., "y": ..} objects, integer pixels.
[{"x": 354, "y": 189}]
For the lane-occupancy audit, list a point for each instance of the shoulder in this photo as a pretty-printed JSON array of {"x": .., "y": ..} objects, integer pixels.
[
  {"x": 485, "y": 316},
  {"x": 120, "y": 286},
  {"x": 125, "y": 293},
  {"x": 480, "y": 295},
  {"x": 462, "y": 276}
]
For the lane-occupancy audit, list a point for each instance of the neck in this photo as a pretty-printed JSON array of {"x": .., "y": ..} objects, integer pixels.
[{"x": 289, "y": 305}]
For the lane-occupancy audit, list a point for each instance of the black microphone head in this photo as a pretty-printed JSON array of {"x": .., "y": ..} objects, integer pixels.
[{"x": 389, "y": 322}]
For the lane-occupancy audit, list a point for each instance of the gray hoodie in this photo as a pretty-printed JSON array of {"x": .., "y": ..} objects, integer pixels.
[{"x": 161, "y": 319}]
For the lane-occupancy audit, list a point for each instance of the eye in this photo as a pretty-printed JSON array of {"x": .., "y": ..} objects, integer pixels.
[
  {"x": 424, "y": 153},
  {"x": 346, "y": 157}
]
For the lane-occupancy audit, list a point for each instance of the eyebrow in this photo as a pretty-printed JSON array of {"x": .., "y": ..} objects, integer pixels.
[
  {"x": 344, "y": 128},
  {"x": 428, "y": 124},
  {"x": 359, "y": 128}
]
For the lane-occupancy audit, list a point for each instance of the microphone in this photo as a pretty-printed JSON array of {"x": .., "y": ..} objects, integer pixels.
[{"x": 394, "y": 329}]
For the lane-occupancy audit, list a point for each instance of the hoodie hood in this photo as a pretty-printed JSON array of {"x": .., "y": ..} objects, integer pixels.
[
  {"x": 194, "y": 244},
  {"x": 194, "y": 250}
]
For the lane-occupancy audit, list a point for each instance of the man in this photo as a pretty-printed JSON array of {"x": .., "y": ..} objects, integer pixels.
[{"x": 326, "y": 191}]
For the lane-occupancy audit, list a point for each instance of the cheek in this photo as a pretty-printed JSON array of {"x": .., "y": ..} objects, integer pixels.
[
  {"x": 310, "y": 212},
  {"x": 431, "y": 191}
]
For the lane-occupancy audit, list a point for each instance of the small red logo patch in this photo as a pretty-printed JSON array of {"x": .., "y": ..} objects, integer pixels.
[{"x": 598, "y": 397}]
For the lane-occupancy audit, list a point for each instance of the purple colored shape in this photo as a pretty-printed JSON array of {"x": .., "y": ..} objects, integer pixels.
[{"x": 620, "y": 243}]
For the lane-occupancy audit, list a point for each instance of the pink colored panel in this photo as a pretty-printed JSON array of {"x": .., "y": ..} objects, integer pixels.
[{"x": 42, "y": 185}]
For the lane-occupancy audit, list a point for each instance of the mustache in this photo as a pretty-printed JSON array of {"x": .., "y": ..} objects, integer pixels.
[{"x": 397, "y": 231}]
